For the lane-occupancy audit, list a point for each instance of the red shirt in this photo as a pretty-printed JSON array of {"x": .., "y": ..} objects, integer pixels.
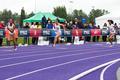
[{"x": 2, "y": 26}]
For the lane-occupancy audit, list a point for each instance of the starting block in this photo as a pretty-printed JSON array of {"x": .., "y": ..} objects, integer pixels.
[
  {"x": 42, "y": 41},
  {"x": 77, "y": 42},
  {"x": 118, "y": 39}
]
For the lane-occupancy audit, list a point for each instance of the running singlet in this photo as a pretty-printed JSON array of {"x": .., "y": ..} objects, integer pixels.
[
  {"x": 57, "y": 28},
  {"x": 112, "y": 29},
  {"x": 10, "y": 27}
]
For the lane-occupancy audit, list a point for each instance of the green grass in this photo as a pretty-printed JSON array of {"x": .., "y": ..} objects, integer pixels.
[{"x": 20, "y": 40}]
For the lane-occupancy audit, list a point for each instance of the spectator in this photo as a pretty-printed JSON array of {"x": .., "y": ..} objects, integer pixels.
[
  {"x": 39, "y": 26},
  {"x": 94, "y": 39},
  {"x": 49, "y": 25},
  {"x": 89, "y": 26},
  {"x": 44, "y": 22},
  {"x": 80, "y": 25},
  {"x": 2, "y": 26},
  {"x": 87, "y": 38},
  {"x": 26, "y": 38},
  {"x": 70, "y": 24},
  {"x": 104, "y": 37},
  {"x": 69, "y": 27},
  {"x": 98, "y": 37},
  {"x": 35, "y": 39},
  {"x": 32, "y": 25},
  {"x": 75, "y": 25},
  {"x": 116, "y": 28}
]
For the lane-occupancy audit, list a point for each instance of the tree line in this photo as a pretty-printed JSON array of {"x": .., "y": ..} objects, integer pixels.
[
  {"x": 59, "y": 11},
  {"x": 5, "y": 15}
]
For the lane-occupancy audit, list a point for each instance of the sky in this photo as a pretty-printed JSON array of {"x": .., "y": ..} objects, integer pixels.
[{"x": 48, "y": 5}]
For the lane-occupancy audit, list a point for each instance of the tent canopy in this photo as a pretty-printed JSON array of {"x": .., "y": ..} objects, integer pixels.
[
  {"x": 38, "y": 17},
  {"x": 103, "y": 19}
]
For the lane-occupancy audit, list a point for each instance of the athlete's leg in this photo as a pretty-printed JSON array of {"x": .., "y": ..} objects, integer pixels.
[
  {"x": 111, "y": 38},
  {"x": 56, "y": 39}
]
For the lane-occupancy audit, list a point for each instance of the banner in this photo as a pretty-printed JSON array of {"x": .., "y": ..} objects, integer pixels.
[
  {"x": 118, "y": 32},
  {"x": 86, "y": 32},
  {"x": 35, "y": 32},
  {"x": 52, "y": 33},
  {"x": 67, "y": 33},
  {"x": 95, "y": 32},
  {"x": 46, "y": 32},
  {"x": 77, "y": 32},
  {"x": 2, "y": 33},
  {"x": 23, "y": 32}
]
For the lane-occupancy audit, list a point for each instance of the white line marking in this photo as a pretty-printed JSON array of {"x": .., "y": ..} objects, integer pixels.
[
  {"x": 49, "y": 53},
  {"x": 58, "y": 65},
  {"x": 103, "y": 71},
  {"x": 92, "y": 69},
  {"x": 36, "y": 51},
  {"x": 7, "y": 50},
  {"x": 25, "y": 52},
  {"x": 47, "y": 59}
]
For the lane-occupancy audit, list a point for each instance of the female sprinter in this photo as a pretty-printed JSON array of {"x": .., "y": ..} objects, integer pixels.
[
  {"x": 11, "y": 33},
  {"x": 112, "y": 32},
  {"x": 57, "y": 29}
]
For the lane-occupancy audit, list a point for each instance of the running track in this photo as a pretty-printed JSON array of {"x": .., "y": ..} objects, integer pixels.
[{"x": 95, "y": 61}]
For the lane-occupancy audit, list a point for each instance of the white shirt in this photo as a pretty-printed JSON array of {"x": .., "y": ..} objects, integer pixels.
[{"x": 112, "y": 29}]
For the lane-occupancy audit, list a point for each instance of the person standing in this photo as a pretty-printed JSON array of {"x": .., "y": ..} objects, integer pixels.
[
  {"x": 2, "y": 26},
  {"x": 104, "y": 37},
  {"x": 69, "y": 27},
  {"x": 116, "y": 29},
  {"x": 26, "y": 38},
  {"x": 49, "y": 26},
  {"x": 98, "y": 37},
  {"x": 44, "y": 22}
]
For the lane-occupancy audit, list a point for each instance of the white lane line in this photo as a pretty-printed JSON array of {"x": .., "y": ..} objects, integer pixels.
[
  {"x": 58, "y": 65},
  {"x": 11, "y": 50},
  {"x": 26, "y": 62},
  {"x": 49, "y": 53},
  {"x": 92, "y": 69},
  {"x": 36, "y": 51},
  {"x": 104, "y": 70}
]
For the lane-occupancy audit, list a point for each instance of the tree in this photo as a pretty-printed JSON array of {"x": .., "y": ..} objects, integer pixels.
[
  {"x": 79, "y": 14},
  {"x": 16, "y": 17},
  {"x": 6, "y": 15},
  {"x": 30, "y": 15},
  {"x": 96, "y": 13},
  {"x": 22, "y": 16},
  {"x": 70, "y": 17},
  {"x": 60, "y": 12}
]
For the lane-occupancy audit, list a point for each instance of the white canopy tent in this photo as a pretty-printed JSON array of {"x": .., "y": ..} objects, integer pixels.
[{"x": 103, "y": 19}]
